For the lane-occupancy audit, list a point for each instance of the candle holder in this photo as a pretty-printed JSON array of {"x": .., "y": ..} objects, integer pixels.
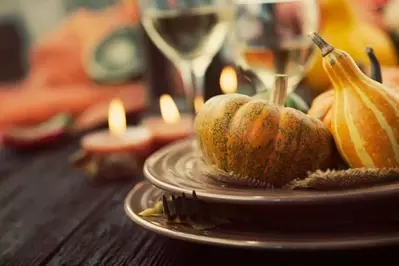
[
  {"x": 101, "y": 168},
  {"x": 116, "y": 153},
  {"x": 169, "y": 117}
]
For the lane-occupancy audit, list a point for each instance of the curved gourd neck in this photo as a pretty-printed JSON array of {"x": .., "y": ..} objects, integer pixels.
[
  {"x": 338, "y": 11},
  {"x": 338, "y": 64},
  {"x": 342, "y": 70}
]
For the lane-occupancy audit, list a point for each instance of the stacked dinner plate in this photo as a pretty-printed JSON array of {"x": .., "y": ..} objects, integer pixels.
[{"x": 258, "y": 218}]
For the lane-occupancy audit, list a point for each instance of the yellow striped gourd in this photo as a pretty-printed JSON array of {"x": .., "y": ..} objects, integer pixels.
[
  {"x": 365, "y": 113},
  {"x": 321, "y": 105}
]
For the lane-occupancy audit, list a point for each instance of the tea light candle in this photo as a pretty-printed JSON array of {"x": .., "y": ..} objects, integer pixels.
[
  {"x": 118, "y": 137},
  {"x": 228, "y": 80},
  {"x": 170, "y": 126}
]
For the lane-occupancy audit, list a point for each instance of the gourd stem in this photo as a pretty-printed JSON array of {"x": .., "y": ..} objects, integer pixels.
[
  {"x": 324, "y": 47},
  {"x": 375, "y": 71},
  {"x": 279, "y": 93}
]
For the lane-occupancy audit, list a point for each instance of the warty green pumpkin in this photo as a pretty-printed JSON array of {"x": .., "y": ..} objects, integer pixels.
[{"x": 261, "y": 143}]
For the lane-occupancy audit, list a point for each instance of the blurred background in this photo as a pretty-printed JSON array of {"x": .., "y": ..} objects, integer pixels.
[
  {"x": 60, "y": 56},
  {"x": 23, "y": 22}
]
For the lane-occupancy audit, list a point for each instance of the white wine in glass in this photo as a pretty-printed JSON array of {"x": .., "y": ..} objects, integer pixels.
[
  {"x": 272, "y": 37},
  {"x": 189, "y": 33}
]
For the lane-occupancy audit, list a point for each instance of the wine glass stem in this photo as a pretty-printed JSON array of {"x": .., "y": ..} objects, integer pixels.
[
  {"x": 188, "y": 84},
  {"x": 193, "y": 82}
]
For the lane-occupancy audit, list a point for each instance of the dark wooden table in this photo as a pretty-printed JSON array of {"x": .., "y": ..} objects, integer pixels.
[{"x": 51, "y": 215}]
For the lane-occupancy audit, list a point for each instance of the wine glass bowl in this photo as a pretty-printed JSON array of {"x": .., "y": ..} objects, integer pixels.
[
  {"x": 271, "y": 37},
  {"x": 189, "y": 33}
]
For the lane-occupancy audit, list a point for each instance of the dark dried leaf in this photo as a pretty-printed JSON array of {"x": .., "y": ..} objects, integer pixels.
[{"x": 184, "y": 210}]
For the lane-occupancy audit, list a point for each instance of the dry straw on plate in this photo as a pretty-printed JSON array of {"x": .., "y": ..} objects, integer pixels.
[{"x": 345, "y": 179}]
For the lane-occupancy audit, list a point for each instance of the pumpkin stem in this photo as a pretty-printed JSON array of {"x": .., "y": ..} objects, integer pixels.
[
  {"x": 375, "y": 71},
  {"x": 324, "y": 47},
  {"x": 279, "y": 93}
]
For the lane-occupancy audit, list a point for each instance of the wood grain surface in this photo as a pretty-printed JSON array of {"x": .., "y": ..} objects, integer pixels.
[{"x": 51, "y": 215}]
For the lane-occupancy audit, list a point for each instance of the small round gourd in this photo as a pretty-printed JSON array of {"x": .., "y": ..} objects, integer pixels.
[{"x": 262, "y": 143}]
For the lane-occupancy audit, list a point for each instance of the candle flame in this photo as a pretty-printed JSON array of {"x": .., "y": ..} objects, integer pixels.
[
  {"x": 169, "y": 111},
  {"x": 116, "y": 117},
  {"x": 198, "y": 103},
  {"x": 228, "y": 80}
]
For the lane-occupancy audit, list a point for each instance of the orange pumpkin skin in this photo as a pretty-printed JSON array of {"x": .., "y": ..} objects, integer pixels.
[
  {"x": 365, "y": 113},
  {"x": 321, "y": 105},
  {"x": 259, "y": 142}
]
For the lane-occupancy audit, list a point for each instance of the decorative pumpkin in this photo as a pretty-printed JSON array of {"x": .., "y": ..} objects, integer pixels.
[
  {"x": 321, "y": 105},
  {"x": 343, "y": 27},
  {"x": 365, "y": 113},
  {"x": 261, "y": 143}
]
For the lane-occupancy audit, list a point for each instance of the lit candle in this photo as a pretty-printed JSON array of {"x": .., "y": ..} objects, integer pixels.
[
  {"x": 228, "y": 80},
  {"x": 171, "y": 126},
  {"x": 118, "y": 137},
  {"x": 230, "y": 83}
]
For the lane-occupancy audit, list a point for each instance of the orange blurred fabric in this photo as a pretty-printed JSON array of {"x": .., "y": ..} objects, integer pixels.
[{"x": 57, "y": 81}]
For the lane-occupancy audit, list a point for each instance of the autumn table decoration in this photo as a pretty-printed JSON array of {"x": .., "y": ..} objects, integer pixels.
[
  {"x": 259, "y": 142},
  {"x": 365, "y": 113},
  {"x": 251, "y": 141},
  {"x": 260, "y": 174},
  {"x": 363, "y": 116}
]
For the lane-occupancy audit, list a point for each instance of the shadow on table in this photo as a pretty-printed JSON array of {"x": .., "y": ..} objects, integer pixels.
[{"x": 195, "y": 254}]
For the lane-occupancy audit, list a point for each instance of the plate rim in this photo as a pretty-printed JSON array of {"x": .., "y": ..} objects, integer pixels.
[
  {"x": 321, "y": 196},
  {"x": 257, "y": 245}
]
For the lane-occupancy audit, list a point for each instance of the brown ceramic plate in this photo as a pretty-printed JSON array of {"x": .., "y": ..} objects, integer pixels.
[
  {"x": 176, "y": 168},
  {"x": 144, "y": 194}
]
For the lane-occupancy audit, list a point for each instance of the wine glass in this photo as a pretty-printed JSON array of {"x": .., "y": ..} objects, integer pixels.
[
  {"x": 189, "y": 33},
  {"x": 271, "y": 38}
]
